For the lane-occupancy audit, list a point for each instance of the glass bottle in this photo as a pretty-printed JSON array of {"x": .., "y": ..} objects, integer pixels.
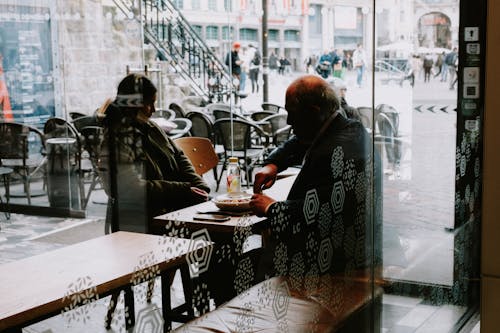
[{"x": 233, "y": 177}]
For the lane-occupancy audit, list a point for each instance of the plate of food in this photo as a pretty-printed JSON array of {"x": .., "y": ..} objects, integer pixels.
[{"x": 234, "y": 202}]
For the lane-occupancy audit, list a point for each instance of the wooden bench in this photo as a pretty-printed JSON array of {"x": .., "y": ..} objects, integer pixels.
[
  {"x": 42, "y": 286},
  {"x": 274, "y": 305}
]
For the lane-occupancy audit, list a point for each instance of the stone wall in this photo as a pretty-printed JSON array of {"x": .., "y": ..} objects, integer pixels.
[{"x": 95, "y": 44}]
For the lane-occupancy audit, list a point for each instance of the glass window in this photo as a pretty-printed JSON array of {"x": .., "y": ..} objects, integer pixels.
[
  {"x": 273, "y": 35},
  {"x": 212, "y": 4},
  {"x": 179, "y": 4},
  {"x": 292, "y": 35},
  {"x": 248, "y": 34},
  {"x": 228, "y": 5},
  {"x": 195, "y": 4},
  {"x": 198, "y": 29},
  {"x": 212, "y": 32},
  {"x": 227, "y": 34}
]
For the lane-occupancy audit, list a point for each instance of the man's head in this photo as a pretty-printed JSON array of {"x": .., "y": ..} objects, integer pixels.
[
  {"x": 236, "y": 46},
  {"x": 310, "y": 101}
]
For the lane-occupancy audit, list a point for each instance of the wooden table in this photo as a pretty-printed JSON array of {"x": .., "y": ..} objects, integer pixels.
[
  {"x": 185, "y": 216},
  {"x": 42, "y": 286}
]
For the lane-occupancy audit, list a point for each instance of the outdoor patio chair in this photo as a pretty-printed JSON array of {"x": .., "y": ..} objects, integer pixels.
[
  {"x": 387, "y": 133},
  {"x": 200, "y": 152},
  {"x": 279, "y": 129},
  {"x": 81, "y": 122},
  {"x": 92, "y": 139},
  {"x": 237, "y": 142},
  {"x": 76, "y": 115},
  {"x": 22, "y": 149},
  {"x": 219, "y": 106},
  {"x": 259, "y": 115},
  {"x": 221, "y": 114},
  {"x": 272, "y": 107},
  {"x": 178, "y": 110},
  {"x": 183, "y": 127},
  {"x": 164, "y": 113}
]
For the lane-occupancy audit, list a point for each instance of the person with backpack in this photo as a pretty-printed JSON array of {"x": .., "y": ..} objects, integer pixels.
[
  {"x": 428, "y": 63},
  {"x": 254, "y": 67}
]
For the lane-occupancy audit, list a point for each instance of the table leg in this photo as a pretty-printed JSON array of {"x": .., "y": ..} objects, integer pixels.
[
  {"x": 129, "y": 307},
  {"x": 166, "y": 280}
]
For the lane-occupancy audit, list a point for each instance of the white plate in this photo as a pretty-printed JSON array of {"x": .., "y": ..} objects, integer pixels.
[{"x": 240, "y": 202}]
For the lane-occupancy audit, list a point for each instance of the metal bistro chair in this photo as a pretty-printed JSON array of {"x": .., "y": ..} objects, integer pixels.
[
  {"x": 280, "y": 130},
  {"x": 272, "y": 107},
  {"x": 238, "y": 143},
  {"x": 92, "y": 139},
  {"x": 81, "y": 122},
  {"x": 178, "y": 110},
  {"x": 21, "y": 149},
  {"x": 183, "y": 127},
  {"x": 76, "y": 115}
]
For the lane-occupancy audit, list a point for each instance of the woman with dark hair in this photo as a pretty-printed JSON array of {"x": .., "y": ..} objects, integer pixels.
[{"x": 145, "y": 174}]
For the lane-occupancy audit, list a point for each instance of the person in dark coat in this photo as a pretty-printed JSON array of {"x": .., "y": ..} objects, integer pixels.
[
  {"x": 144, "y": 173},
  {"x": 327, "y": 203}
]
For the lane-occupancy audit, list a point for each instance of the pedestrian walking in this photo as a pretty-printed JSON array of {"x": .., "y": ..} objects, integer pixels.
[{"x": 359, "y": 61}]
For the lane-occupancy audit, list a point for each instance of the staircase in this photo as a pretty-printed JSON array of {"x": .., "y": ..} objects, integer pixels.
[{"x": 177, "y": 43}]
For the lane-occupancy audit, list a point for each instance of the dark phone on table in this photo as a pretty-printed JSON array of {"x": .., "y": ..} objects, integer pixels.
[{"x": 212, "y": 218}]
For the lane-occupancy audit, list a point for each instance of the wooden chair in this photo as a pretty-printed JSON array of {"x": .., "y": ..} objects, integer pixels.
[{"x": 200, "y": 152}]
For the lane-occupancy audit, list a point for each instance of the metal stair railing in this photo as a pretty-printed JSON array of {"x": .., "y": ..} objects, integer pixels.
[{"x": 178, "y": 43}]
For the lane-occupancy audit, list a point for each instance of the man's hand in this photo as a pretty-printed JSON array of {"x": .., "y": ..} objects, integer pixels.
[
  {"x": 265, "y": 178},
  {"x": 260, "y": 204}
]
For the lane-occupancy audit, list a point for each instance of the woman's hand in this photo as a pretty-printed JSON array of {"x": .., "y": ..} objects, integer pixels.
[
  {"x": 199, "y": 194},
  {"x": 260, "y": 204}
]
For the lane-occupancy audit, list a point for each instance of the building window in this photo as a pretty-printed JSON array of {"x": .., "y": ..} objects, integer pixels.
[
  {"x": 227, "y": 34},
  {"x": 273, "y": 35},
  {"x": 198, "y": 29},
  {"x": 228, "y": 5},
  {"x": 195, "y": 4},
  {"x": 212, "y": 4},
  {"x": 179, "y": 4},
  {"x": 248, "y": 34},
  {"x": 292, "y": 35},
  {"x": 212, "y": 32}
]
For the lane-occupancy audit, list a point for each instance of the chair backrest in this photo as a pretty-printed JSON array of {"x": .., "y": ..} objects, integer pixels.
[
  {"x": 56, "y": 127},
  {"x": 183, "y": 127},
  {"x": 76, "y": 115},
  {"x": 20, "y": 141},
  {"x": 239, "y": 138},
  {"x": 85, "y": 121},
  {"x": 200, "y": 152},
  {"x": 202, "y": 125},
  {"x": 178, "y": 110},
  {"x": 278, "y": 122},
  {"x": 92, "y": 139},
  {"x": 222, "y": 114},
  {"x": 259, "y": 115},
  {"x": 13, "y": 140},
  {"x": 271, "y": 107},
  {"x": 220, "y": 106},
  {"x": 164, "y": 113}
]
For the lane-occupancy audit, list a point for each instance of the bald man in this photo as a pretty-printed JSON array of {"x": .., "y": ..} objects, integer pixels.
[{"x": 328, "y": 197}]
